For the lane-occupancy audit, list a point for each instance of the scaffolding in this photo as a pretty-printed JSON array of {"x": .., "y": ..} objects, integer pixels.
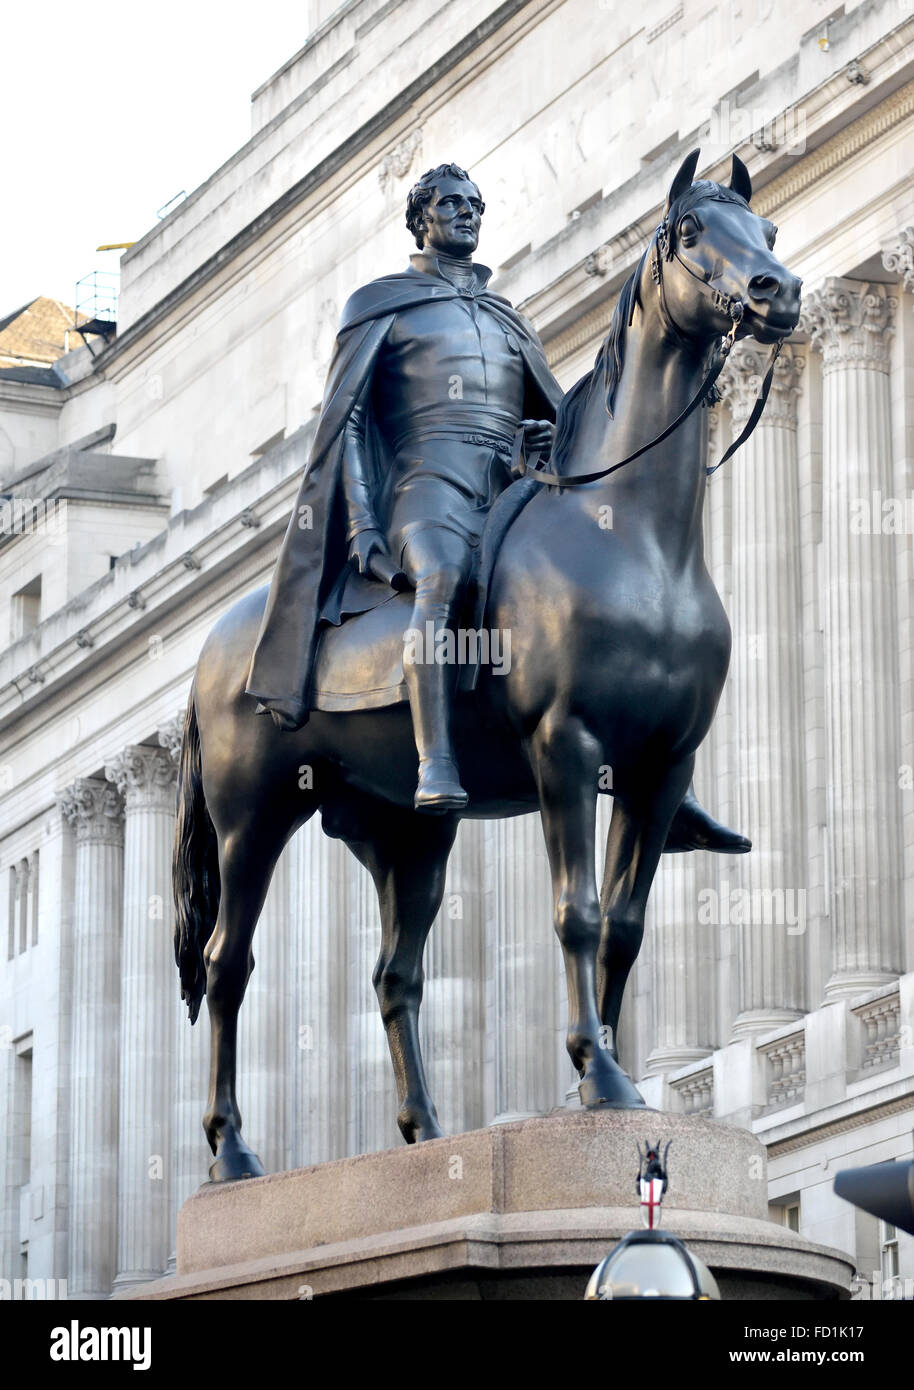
[{"x": 96, "y": 303}]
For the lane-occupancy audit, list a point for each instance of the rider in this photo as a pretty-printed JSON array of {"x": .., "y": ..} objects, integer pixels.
[{"x": 433, "y": 374}]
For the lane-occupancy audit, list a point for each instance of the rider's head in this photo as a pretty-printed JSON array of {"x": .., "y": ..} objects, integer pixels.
[{"x": 443, "y": 211}]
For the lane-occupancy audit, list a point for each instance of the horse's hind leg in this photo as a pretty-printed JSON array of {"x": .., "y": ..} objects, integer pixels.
[
  {"x": 406, "y": 855},
  {"x": 566, "y": 761},
  {"x": 637, "y": 834},
  {"x": 247, "y": 857}
]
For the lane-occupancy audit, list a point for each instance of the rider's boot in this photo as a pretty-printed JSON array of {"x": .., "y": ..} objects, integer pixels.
[
  {"x": 431, "y": 691},
  {"x": 694, "y": 828}
]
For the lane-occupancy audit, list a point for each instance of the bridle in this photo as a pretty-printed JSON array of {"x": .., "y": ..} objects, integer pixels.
[{"x": 662, "y": 249}]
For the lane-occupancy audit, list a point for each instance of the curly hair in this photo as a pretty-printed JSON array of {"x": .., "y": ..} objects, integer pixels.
[{"x": 421, "y": 194}]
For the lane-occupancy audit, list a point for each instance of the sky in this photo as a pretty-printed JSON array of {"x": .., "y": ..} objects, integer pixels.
[{"x": 111, "y": 110}]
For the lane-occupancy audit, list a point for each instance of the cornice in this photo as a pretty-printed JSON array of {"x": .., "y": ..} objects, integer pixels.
[
  {"x": 857, "y": 1119},
  {"x": 170, "y": 571}
]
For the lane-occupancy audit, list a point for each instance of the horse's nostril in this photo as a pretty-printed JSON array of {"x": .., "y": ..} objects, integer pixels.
[{"x": 764, "y": 287}]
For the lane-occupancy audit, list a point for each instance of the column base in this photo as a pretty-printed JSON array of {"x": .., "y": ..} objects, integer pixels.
[
  {"x": 752, "y": 1021},
  {"x": 142, "y": 1276},
  {"x": 664, "y": 1059},
  {"x": 844, "y": 983},
  {"x": 508, "y": 1117}
]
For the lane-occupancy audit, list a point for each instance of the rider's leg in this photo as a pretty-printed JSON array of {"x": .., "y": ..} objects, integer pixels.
[{"x": 438, "y": 563}]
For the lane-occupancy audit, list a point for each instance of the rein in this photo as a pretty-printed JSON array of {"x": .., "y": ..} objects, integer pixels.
[{"x": 730, "y": 305}]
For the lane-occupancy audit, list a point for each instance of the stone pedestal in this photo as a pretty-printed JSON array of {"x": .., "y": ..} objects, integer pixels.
[{"x": 518, "y": 1211}]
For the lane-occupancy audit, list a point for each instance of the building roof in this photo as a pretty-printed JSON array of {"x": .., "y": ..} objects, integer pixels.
[{"x": 36, "y": 334}]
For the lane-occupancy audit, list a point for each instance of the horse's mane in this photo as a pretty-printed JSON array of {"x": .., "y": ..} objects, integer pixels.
[{"x": 607, "y": 368}]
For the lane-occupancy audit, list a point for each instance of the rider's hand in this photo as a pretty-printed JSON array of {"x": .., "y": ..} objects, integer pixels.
[
  {"x": 368, "y": 552},
  {"x": 364, "y": 547},
  {"x": 538, "y": 437}
]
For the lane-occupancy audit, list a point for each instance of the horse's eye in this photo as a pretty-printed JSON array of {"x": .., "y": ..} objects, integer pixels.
[
  {"x": 689, "y": 229},
  {"x": 771, "y": 233}
]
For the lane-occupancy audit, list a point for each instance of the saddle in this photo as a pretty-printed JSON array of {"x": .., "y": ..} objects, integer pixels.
[{"x": 359, "y": 661}]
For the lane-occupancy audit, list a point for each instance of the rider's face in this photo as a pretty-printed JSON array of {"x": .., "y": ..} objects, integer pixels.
[{"x": 452, "y": 218}]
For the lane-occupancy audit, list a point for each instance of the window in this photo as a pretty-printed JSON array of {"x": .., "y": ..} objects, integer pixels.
[
  {"x": 25, "y": 609},
  {"x": 888, "y": 1256},
  {"x": 792, "y": 1217}
]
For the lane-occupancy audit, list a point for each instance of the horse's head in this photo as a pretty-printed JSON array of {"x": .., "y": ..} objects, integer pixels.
[{"x": 712, "y": 259}]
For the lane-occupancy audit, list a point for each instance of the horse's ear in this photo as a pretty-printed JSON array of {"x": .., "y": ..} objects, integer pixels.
[
  {"x": 740, "y": 181},
  {"x": 683, "y": 179}
]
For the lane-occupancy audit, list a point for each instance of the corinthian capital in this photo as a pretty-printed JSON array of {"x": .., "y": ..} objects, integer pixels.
[
  {"x": 899, "y": 257},
  {"x": 171, "y": 735},
  {"x": 741, "y": 381},
  {"x": 95, "y": 809},
  {"x": 145, "y": 777},
  {"x": 850, "y": 322}
]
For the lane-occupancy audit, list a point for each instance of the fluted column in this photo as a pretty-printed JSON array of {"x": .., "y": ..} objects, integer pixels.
[
  {"x": 452, "y": 1019},
  {"x": 898, "y": 259},
  {"x": 522, "y": 1023},
  {"x": 767, "y": 682},
  {"x": 683, "y": 965},
  {"x": 146, "y": 778},
  {"x": 372, "y": 1093},
  {"x": 265, "y": 1038},
  {"x": 95, "y": 809},
  {"x": 321, "y": 867},
  {"x": 851, "y": 323}
]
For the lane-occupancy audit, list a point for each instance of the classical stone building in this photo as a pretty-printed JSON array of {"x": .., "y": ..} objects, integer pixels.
[{"x": 150, "y": 475}]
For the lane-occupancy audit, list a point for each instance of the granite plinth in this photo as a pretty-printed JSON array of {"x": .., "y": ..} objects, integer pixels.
[{"x": 520, "y": 1210}]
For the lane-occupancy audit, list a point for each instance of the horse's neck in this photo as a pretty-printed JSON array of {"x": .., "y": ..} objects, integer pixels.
[{"x": 659, "y": 496}]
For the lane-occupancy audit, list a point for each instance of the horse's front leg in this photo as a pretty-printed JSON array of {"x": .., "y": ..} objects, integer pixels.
[
  {"x": 637, "y": 834},
  {"x": 566, "y": 761}
]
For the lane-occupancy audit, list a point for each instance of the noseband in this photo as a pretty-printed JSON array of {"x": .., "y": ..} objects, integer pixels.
[{"x": 663, "y": 249}]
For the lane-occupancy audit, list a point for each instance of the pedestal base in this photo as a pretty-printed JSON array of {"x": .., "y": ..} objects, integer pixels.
[{"x": 518, "y": 1211}]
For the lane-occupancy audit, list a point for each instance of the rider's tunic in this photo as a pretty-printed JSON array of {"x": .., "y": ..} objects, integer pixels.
[{"x": 447, "y": 393}]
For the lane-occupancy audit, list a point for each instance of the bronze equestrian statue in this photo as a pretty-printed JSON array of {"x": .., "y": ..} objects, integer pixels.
[{"x": 619, "y": 642}]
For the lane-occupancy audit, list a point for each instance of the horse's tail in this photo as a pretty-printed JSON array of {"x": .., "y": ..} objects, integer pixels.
[{"x": 195, "y": 867}]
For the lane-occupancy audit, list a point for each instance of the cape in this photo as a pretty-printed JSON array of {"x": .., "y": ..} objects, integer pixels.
[{"x": 313, "y": 582}]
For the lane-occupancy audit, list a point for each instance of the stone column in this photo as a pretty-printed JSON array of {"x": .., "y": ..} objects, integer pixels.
[
  {"x": 372, "y": 1097},
  {"x": 321, "y": 867},
  {"x": 898, "y": 259},
  {"x": 191, "y": 1152},
  {"x": 265, "y": 1041},
  {"x": 452, "y": 1020},
  {"x": 851, "y": 323},
  {"x": 522, "y": 1022},
  {"x": 146, "y": 778},
  {"x": 683, "y": 959},
  {"x": 95, "y": 809},
  {"x": 769, "y": 915}
]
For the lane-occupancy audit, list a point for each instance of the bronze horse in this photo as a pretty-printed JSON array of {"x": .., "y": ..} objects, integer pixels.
[{"x": 619, "y": 650}]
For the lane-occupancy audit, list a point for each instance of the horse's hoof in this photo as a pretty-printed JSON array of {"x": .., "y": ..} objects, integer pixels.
[
  {"x": 234, "y": 1161},
  {"x": 416, "y": 1130},
  {"x": 609, "y": 1088}
]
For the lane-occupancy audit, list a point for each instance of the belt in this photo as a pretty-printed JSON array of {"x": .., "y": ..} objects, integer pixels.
[{"x": 501, "y": 443}]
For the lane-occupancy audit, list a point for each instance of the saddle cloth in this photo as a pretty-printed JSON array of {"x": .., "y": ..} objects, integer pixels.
[{"x": 359, "y": 663}]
